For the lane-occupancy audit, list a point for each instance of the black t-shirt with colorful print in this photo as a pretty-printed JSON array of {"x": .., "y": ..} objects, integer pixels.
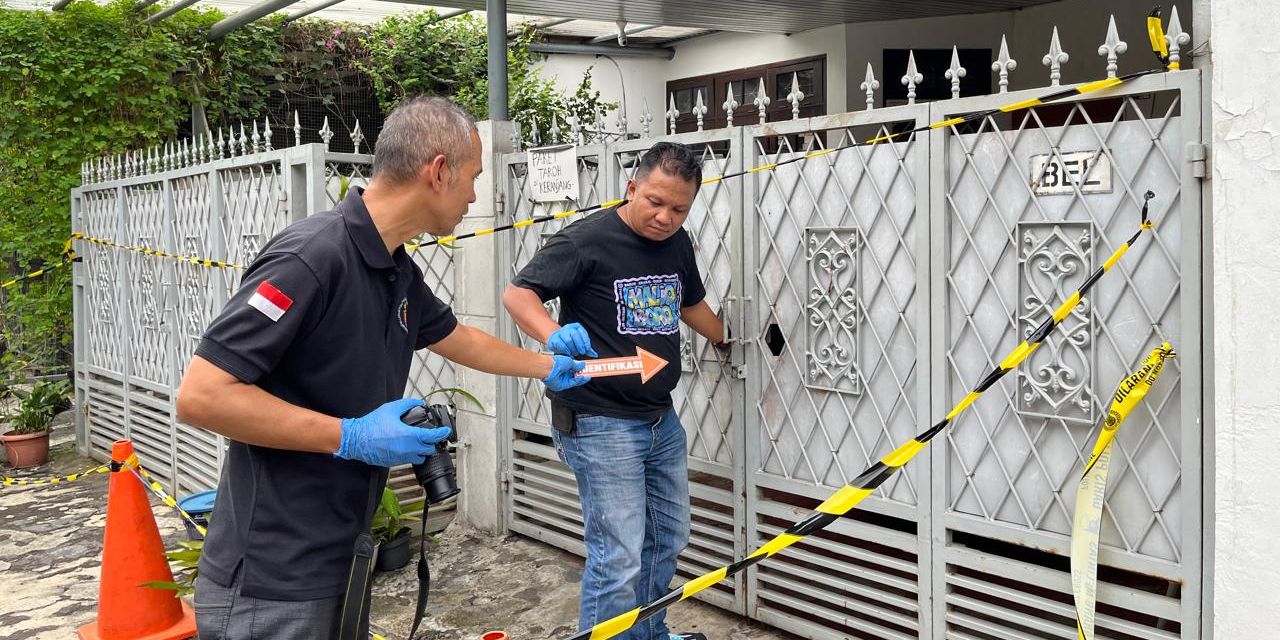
[{"x": 627, "y": 292}]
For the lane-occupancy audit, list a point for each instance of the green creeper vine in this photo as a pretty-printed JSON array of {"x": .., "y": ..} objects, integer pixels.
[{"x": 95, "y": 79}]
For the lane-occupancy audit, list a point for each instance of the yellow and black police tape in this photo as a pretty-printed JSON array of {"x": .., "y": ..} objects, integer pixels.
[
  {"x": 1093, "y": 489},
  {"x": 38, "y": 272},
  {"x": 148, "y": 251},
  {"x": 412, "y": 246},
  {"x": 68, "y": 256},
  {"x": 1088, "y": 87},
  {"x": 1155, "y": 33},
  {"x": 132, "y": 464},
  {"x": 869, "y": 480},
  {"x": 28, "y": 482},
  {"x": 147, "y": 481}
]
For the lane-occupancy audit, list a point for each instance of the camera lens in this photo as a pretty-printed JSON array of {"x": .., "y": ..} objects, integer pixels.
[{"x": 436, "y": 475}]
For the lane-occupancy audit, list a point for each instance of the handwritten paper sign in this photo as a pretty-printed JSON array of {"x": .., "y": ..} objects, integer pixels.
[{"x": 553, "y": 173}]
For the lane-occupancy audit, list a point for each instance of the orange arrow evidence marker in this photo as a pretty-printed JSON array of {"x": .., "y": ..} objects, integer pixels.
[{"x": 644, "y": 363}]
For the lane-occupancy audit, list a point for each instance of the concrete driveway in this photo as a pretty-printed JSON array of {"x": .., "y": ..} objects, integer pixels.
[{"x": 51, "y": 543}]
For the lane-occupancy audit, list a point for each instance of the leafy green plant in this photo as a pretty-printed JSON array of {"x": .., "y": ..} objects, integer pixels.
[
  {"x": 417, "y": 54},
  {"x": 457, "y": 391},
  {"x": 187, "y": 557},
  {"x": 39, "y": 405},
  {"x": 388, "y": 518},
  {"x": 12, "y": 373},
  {"x": 93, "y": 80}
]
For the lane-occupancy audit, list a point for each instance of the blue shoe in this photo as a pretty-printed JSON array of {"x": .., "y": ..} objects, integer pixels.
[{"x": 688, "y": 636}]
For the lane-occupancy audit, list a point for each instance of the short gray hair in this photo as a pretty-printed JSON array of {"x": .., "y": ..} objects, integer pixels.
[{"x": 417, "y": 131}]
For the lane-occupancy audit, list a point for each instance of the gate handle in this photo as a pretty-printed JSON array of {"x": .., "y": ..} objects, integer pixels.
[{"x": 726, "y": 310}]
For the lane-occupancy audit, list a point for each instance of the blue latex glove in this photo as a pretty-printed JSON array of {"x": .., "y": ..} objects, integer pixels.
[
  {"x": 564, "y": 374},
  {"x": 383, "y": 440},
  {"x": 571, "y": 340}
]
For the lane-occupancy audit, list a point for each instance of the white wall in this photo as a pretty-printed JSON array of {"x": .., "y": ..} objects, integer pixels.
[
  {"x": 476, "y": 305},
  {"x": 1245, "y": 161},
  {"x": 646, "y": 78},
  {"x": 638, "y": 76}
]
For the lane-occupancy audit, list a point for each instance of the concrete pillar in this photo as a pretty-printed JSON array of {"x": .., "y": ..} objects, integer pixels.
[
  {"x": 476, "y": 304},
  {"x": 496, "y": 19},
  {"x": 1244, "y": 400}
]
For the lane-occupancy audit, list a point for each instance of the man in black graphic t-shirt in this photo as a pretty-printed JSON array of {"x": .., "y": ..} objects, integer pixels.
[{"x": 626, "y": 278}]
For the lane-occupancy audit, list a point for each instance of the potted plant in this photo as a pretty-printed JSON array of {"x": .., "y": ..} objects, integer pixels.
[
  {"x": 390, "y": 533},
  {"x": 26, "y": 443}
]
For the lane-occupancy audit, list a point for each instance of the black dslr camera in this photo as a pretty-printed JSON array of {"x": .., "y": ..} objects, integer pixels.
[{"x": 436, "y": 474}]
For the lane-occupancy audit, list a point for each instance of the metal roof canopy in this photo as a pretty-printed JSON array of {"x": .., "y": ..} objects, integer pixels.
[
  {"x": 667, "y": 20},
  {"x": 757, "y": 16}
]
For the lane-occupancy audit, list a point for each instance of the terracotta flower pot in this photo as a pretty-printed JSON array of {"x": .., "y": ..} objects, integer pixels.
[{"x": 26, "y": 449}]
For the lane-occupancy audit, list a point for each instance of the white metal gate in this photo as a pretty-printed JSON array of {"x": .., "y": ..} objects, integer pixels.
[
  {"x": 139, "y": 316},
  {"x": 1008, "y": 255},
  {"x": 875, "y": 286}
]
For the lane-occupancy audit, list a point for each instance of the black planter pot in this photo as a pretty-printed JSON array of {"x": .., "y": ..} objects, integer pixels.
[{"x": 395, "y": 553}]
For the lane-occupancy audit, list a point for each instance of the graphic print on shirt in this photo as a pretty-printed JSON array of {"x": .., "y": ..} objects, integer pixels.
[
  {"x": 403, "y": 314},
  {"x": 649, "y": 305}
]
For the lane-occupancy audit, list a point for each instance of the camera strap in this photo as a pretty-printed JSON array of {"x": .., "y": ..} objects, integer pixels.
[
  {"x": 424, "y": 575},
  {"x": 354, "y": 623}
]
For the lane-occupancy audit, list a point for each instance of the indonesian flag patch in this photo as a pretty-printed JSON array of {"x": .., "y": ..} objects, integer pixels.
[{"x": 271, "y": 301}]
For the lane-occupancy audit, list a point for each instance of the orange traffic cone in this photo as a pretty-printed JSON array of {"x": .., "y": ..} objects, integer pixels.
[{"x": 132, "y": 554}]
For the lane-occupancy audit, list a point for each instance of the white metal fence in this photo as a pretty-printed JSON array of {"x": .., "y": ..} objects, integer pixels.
[
  {"x": 139, "y": 316},
  {"x": 868, "y": 289},
  {"x": 872, "y": 288}
]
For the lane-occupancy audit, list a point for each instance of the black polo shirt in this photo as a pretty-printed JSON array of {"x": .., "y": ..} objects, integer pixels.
[{"x": 326, "y": 319}]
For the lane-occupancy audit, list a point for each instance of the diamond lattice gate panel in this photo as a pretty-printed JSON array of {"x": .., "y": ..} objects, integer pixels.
[
  {"x": 198, "y": 218},
  {"x": 150, "y": 327},
  {"x": 1032, "y": 202},
  {"x": 542, "y": 497},
  {"x": 99, "y": 322},
  {"x": 709, "y": 395},
  {"x": 542, "y": 501},
  {"x": 839, "y": 329},
  {"x": 874, "y": 287},
  {"x": 139, "y": 317}
]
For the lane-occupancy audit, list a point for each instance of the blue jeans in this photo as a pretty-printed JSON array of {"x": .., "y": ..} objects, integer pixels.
[{"x": 632, "y": 477}]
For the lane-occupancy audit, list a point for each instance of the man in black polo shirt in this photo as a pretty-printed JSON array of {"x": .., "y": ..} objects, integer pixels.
[
  {"x": 626, "y": 278},
  {"x": 305, "y": 369}
]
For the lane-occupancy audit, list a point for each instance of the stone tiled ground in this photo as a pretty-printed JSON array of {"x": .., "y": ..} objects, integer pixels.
[{"x": 51, "y": 543}]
